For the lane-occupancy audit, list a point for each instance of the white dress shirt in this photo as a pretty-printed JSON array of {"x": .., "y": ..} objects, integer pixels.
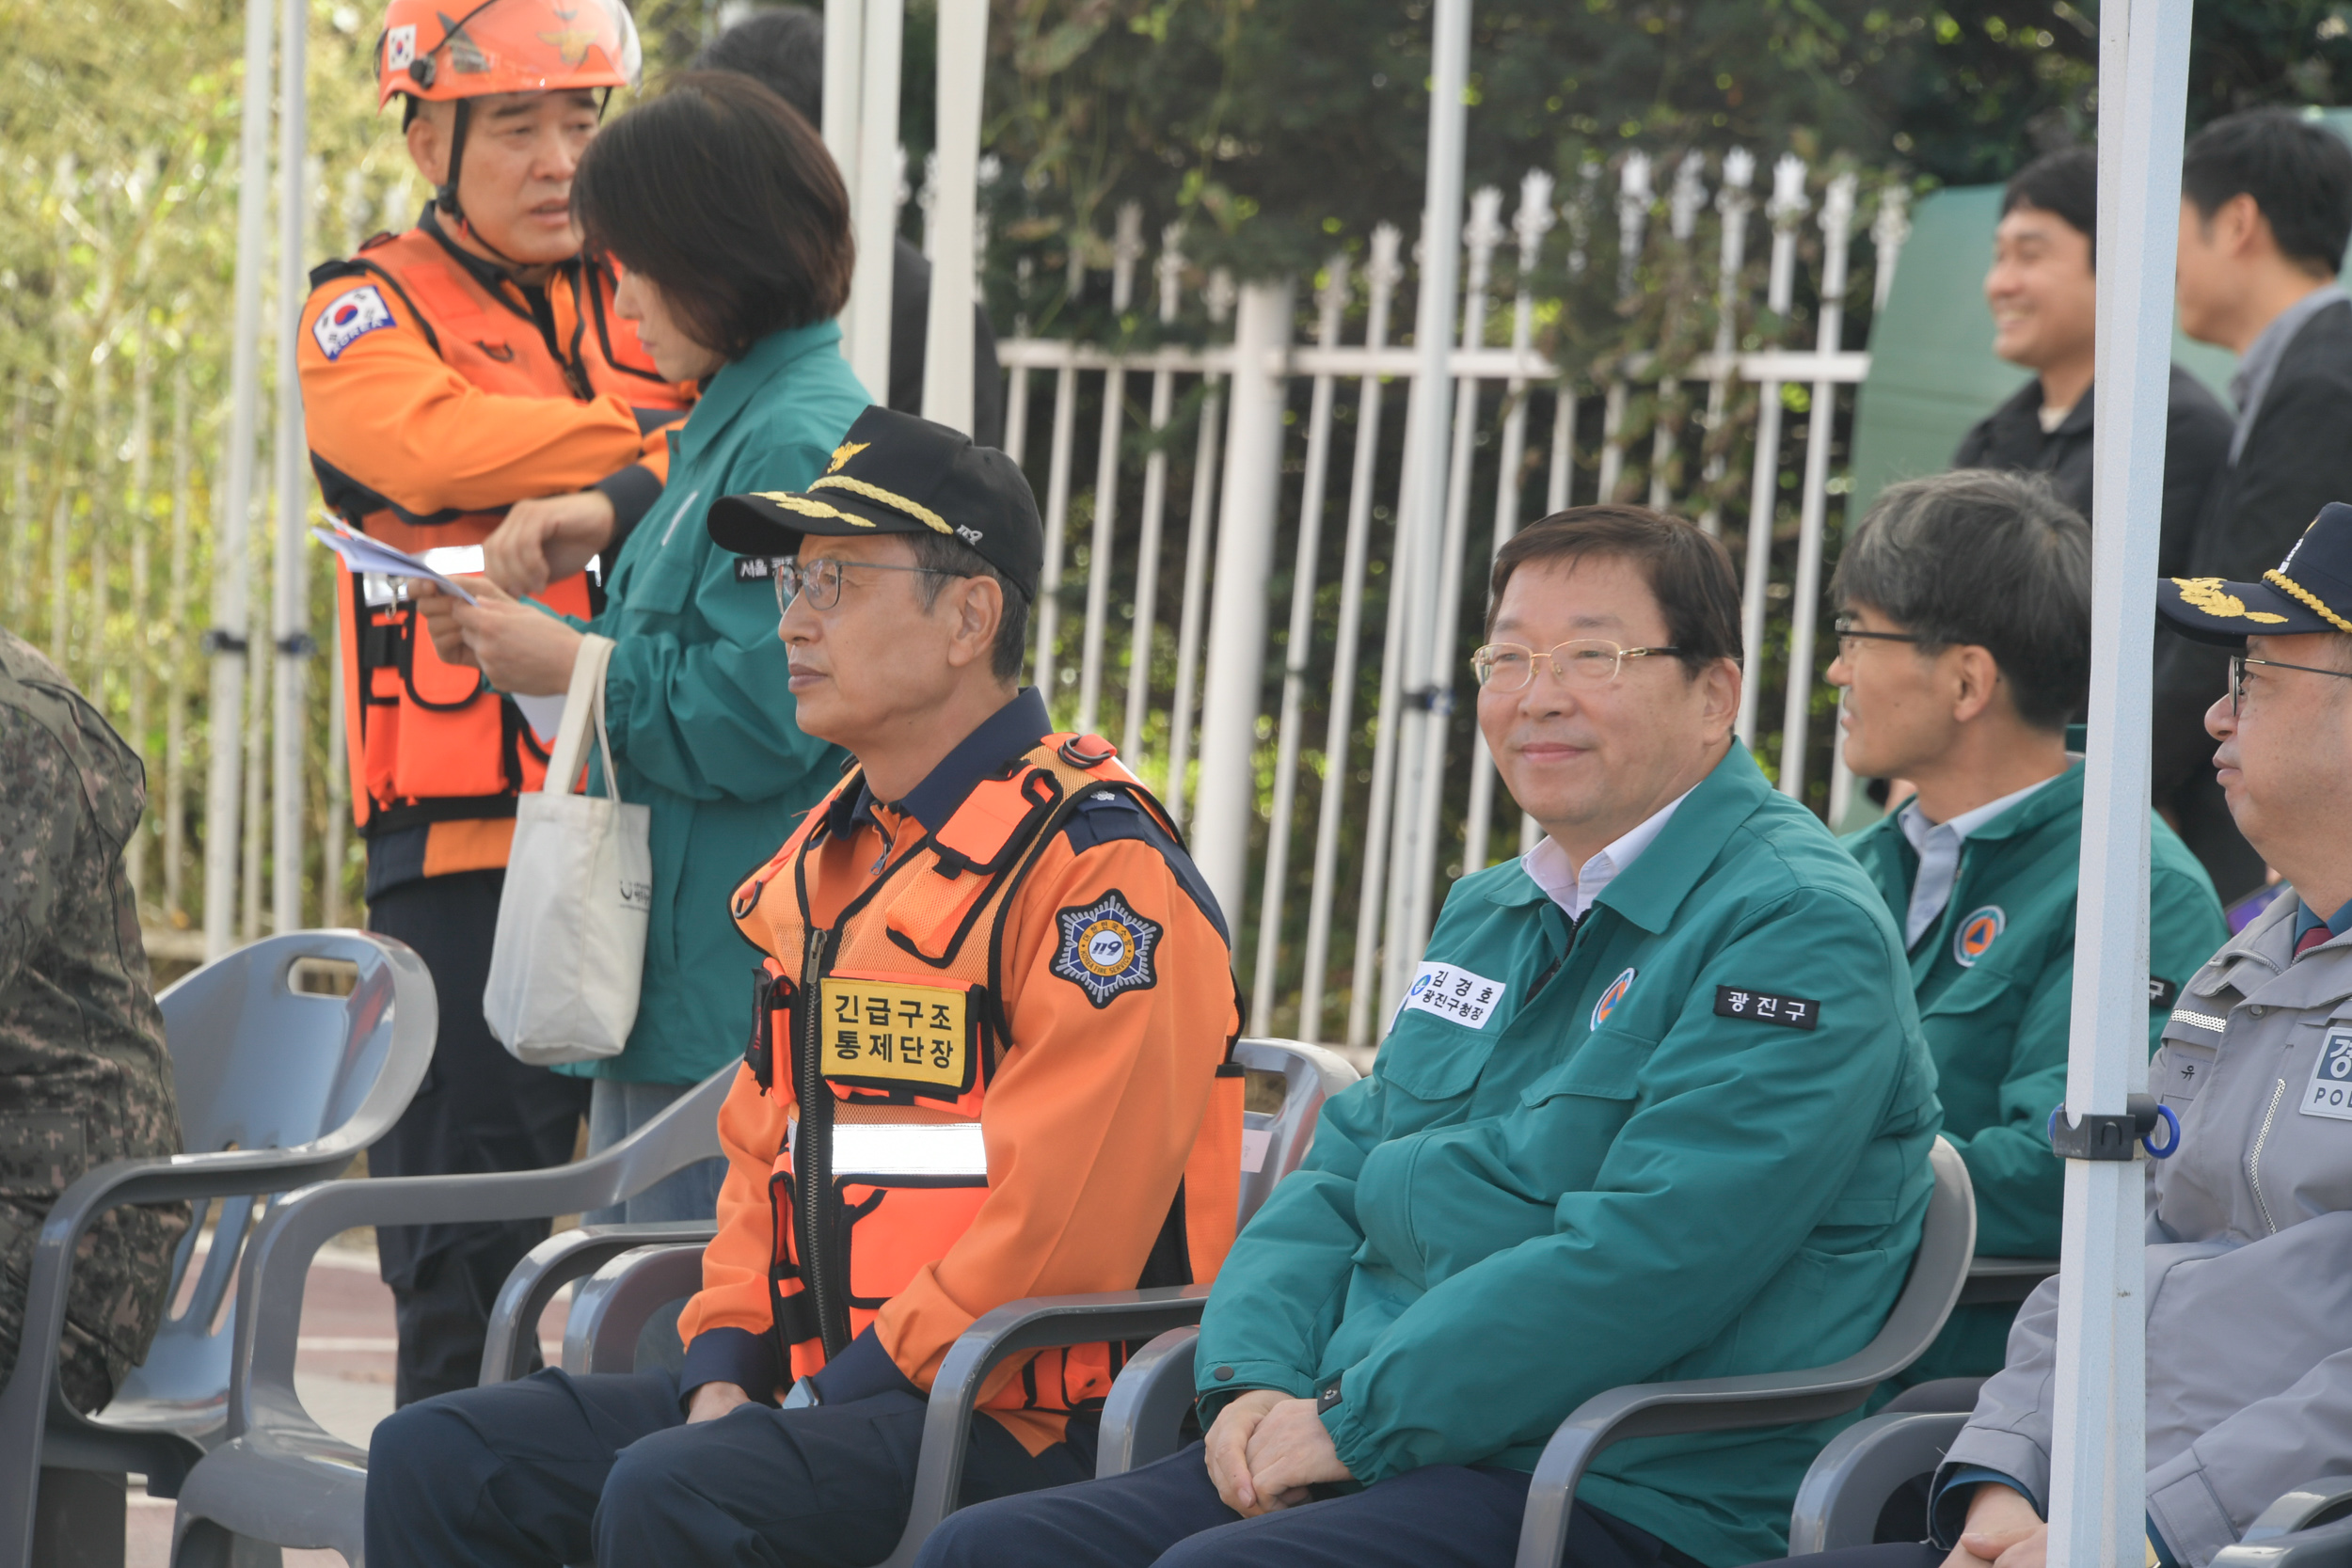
[
  {"x": 1574, "y": 888},
  {"x": 1938, "y": 846}
]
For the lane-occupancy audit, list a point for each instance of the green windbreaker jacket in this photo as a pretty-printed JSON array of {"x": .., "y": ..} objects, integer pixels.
[
  {"x": 1686, "y": 1138},
  {"x": 1994, "y": 979},
  {"x": 701, "y": 717}
]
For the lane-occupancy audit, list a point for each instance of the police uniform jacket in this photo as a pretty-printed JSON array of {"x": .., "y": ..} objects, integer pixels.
[
  {"x": 696, "y": 695},
  {"x": 83, "y": 1078},
  {"x": 1995, "y": 978},
  {"x": 1684, "y": 1137},
  {"x": 2249, "y": 1261}
]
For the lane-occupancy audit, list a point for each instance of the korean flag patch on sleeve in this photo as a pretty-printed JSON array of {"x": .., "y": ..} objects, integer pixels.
[
  {"x": 1106, "y": 948},
  {"x": 349, "y": 317}
]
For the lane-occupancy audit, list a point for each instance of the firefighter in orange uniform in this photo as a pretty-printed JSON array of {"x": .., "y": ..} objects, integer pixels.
[
  {"x": 997, "y": 1015},
  {"x": 449, "y": 374}
]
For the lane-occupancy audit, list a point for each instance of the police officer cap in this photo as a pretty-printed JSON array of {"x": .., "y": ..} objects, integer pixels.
[
  {"x": 2310, "y": 590},
  {"x": 894, "y": 473}
]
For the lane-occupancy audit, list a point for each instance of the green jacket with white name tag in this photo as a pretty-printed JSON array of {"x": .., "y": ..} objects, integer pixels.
[
  {"x": 1995, "y": 978},
  {"x": 1605, "y": 1160}
]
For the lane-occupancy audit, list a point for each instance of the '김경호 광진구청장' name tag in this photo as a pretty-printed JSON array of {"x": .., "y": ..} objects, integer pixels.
[
  {"x": 889, "y": 1034},
  {"x": 1453, "y": 993}
]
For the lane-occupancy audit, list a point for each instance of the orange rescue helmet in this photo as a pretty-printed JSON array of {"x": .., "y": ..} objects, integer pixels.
[{"x": 503, "y": 46}]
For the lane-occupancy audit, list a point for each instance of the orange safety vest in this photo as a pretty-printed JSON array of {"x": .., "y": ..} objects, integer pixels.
[
  {"x": 430, "y": 741},
  {"x": 890, "y": 1031}
]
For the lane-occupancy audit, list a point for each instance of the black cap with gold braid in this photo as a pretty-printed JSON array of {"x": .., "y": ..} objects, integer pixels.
[
  {"x": 894, "y": 473},
  {"x": 2310, "y": 590}
]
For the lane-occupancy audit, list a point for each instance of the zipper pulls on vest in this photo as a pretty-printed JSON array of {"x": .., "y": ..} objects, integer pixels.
[{"x": 812, "y": 1160}]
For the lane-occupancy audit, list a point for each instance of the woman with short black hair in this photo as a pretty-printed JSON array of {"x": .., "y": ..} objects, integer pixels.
[{"x": 730, "y": 228}]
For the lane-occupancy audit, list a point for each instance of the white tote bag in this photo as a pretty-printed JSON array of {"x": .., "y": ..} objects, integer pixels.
[{"x": 570, "y": 954}]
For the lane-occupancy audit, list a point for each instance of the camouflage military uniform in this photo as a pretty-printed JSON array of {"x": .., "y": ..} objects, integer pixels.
[{"x": 83, "y": 1074}]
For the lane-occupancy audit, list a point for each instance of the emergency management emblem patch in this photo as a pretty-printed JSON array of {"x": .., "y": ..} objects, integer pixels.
[
  {"x": 1977, "y": 935},
  {"x": 349, "y": 317},
  {"x": 1609, "y": 998},
  {"x": 1106, "y": 948}
]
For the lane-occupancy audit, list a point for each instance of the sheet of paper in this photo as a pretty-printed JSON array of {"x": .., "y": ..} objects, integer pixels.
[
  {"x": 544, "y": 714},
  {"x": 361, "y": 554}
]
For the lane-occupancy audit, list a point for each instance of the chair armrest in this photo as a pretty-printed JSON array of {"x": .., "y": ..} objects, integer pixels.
[
  {"x": 2315, "y": 1502},
  {"x": 30, "y": 1391},
  {"x": 2328, "y": 1546},
  {"x": 1656, "y": 1409},
  {"x": 548, "y": 1268},
  {"x": 1146, "y": 1404},
  {"x": 998, "y": 1335},
  {"x": 277, "y": 1261},
  {"x": 1842, "y": 1495},
  {"x": 609, "y": 1309},
  {"x": 2004, "y": 1279}
]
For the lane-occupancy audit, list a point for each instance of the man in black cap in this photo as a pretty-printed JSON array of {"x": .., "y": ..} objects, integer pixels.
[{"x": 989, "y": 1062}]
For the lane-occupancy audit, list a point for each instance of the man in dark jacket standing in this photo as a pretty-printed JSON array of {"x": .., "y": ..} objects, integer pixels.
[
  {"x": 2043, "y": 293},
  {"x": 2265, "y": 209}
]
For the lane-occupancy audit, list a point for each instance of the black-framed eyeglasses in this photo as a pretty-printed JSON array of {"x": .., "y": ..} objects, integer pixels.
[
  {"x": 2237, "y": 675},
  {"x": 1849, "y": 634},
  {"x": 819, "y": 584},
  {"x": 1586, "y": 662}
]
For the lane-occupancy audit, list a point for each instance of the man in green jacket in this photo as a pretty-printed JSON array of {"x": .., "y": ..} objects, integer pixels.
[
  {"x": 1965, "y": 651},
  {"x": 1656, "y": 1106}
]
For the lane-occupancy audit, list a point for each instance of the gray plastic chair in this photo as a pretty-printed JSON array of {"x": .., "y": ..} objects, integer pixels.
[
  {"x": 1140, "y": 1420},
  {"x": 2308, "y": 1527},
  {"x": 1846, "y": 1489},
  {"x": 282, "y": 1479},
  {"x": 277, "y": 1087},
  {"x": 605, "y": 1331}
]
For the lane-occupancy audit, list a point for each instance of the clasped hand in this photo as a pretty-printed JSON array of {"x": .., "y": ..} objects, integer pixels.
[
  {"x": 1265, "y": 1449},
  {"x": 2003, "y": 1531}
]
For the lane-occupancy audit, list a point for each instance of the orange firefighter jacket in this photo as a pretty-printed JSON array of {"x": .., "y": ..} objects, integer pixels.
[
  {"x": 1020, "y": 962},
  {"x": 437, "y": 392}
]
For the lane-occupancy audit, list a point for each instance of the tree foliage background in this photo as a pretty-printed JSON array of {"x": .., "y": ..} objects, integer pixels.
[{"x": 1275, "y": 131}]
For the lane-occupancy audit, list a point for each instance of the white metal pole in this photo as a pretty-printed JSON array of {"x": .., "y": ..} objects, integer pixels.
[
  {"x": 1193, "y": 608},
  {"x": 175, "y": 807},
  {"x": 845, "y": 33},
  {"x": 225, "y": 716},
  {"x": 1127, "y": 250},
  {"x": 1382, "y": 276},
  {"x": 1804, "y": 602},
  {"x": 874, "y": 197},
  {"x": 290, "y": 731},
  {"x": 1530, "y": 224},
  {"x": 1169, "y": 270},
  {"x": 1423, "y": 512},
  {"x": 1298, "y": 644},
  {"x": 952, "y": 233},
  {"x": 2099, "y": 1428},
  {"x": 138, "y": 512},
  {"x": 1230, "y": 687},
  {"x": 1786, "y": 210},
  {"x": 1479, "y": 237}
]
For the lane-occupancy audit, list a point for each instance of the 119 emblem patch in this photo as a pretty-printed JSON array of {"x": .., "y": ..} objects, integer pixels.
[{"x": 1106, "y": 948}]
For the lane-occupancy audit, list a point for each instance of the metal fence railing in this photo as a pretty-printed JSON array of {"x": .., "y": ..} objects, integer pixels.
[{"x": 1163, "y": 431}]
